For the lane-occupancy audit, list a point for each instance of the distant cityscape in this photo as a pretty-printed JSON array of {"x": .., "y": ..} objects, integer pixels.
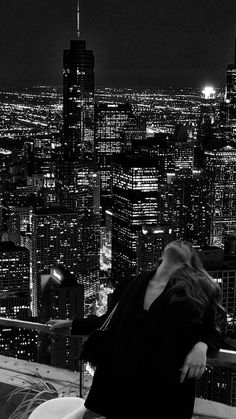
[{"x": 94, "y": 182}]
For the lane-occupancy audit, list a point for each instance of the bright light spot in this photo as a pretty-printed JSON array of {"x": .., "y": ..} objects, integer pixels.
[
  {"x": 56, "y": 275},
  {"x": 209, "y": 93}
]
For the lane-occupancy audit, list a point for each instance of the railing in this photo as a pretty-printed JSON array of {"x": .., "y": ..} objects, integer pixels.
[
  {"x": 223, "y": 357},
  {"x": 13, "y": 372},
  {"x": 38, "y": 327}
]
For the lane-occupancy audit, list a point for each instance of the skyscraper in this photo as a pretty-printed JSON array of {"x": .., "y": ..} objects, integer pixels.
[
  {"x": 221, "y": 175},
  {"x": 61, "y": 237},
  {"x": 15, "y": 297},
  {"x": 77, "y": 167},
  {"x": 55, "y": 240},
  {"x": 228, "y": 107},
  {"x": 78, "y": 99},
  {"x": 63, "y": 298},
  {"x": 230, "y": 94},
  {"x": 135, "y": 202},
  {"x": 114, "y": 124}
]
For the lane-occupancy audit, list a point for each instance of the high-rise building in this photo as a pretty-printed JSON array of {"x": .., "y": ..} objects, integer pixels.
[
  {"x": 61, "y": 237},
  {"x": 15, "y": 299},
  {"x": 221, "y": 174},
  {"x": 228, "y": 107},
  {"x": 78, "y": 99},
  {"x": 219, "y": 381},
  {"x": 63, "y": 298},
  {"x": 150, "y": 189},
  {"x": 208, "y": 121},
  {"x": 187, "y": 208},
  {"x": 222, "y": 267},
  {"x": 114, "y": 126},
  {"x": 135, "y": 202},
  {"x": 230, "y": 93},
  {"x": 78, "y": 174}
]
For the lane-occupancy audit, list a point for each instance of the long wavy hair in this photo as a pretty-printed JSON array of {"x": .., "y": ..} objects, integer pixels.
[{"x": 193, "y": 283}]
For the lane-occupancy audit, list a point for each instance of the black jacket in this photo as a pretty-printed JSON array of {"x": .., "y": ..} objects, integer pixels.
[{"x": 147, "y": 350}]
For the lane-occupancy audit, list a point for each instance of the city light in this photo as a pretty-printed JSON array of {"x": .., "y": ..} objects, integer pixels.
[
  {"x": 209, "y": 93},
  {"x": 95, "y": 182}
]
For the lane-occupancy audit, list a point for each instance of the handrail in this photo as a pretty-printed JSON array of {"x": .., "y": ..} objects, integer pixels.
[
  {"x": 223, "y": 357},
  {"x": 39, "y": 327}
]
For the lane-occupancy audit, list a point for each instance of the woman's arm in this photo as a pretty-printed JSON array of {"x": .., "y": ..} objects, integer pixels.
[
  {"x": 208, "y": 338},
  {"x": 197, "y": 335},
  {"x": 209, "y": 341},
  {"x": 84, "y": 327}
]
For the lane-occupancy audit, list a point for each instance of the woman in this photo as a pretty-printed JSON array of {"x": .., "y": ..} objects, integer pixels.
[{"x": 160, "y": 334}]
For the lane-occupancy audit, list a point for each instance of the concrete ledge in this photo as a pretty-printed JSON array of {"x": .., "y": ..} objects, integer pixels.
[
  {"x": 14, "y": 372},
  {"x": 212, "y": 410}
]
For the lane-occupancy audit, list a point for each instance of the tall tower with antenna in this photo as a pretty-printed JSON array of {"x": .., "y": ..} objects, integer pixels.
[
  {"x": 78, "y": 173},
  {"x": 78, "y": 19},
  {"x": 78, "y": 98}
]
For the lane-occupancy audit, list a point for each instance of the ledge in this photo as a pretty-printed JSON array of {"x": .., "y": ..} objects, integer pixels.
[
  {"x": 13, "y": 374},
  {"x": 206, "y": 409}
]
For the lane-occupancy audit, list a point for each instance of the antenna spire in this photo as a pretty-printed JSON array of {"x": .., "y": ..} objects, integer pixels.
[{"x": 78, "y": 19}]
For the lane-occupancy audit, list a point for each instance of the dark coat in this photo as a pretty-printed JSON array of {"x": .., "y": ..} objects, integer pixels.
[{"x": 147, "y": 350}]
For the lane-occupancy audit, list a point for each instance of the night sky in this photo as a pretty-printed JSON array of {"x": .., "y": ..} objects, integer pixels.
[{"x": 150, "y": 43}]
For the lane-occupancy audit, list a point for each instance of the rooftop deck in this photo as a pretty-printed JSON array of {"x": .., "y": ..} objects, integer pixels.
[{"x": 14, "y": 373}]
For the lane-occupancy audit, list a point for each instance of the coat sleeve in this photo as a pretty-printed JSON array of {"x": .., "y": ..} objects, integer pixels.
[
  {"x": 192, "y": 327},
  {"x": 84, "y": 327},
  {"x": 210, "y": 332}
]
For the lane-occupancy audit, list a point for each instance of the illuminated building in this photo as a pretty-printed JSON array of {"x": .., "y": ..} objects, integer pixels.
[
  {"x": 114, "y": 124},
  {"x": 77, "y": 171},
  {"x": 228, "y": 107},
  {"x": 151, "y": 243},
  {"x": 62, "y": 237},
  {"x": 187, "y": 210},
  {"x": 106, "y": 244},
  {"x": 81, "y": 187},
  {"x": 135, "y": 202},
  {"x": 78, "y": 100},
  {"x": 208, "y": 106},
  {"x": 219, "y": 382},
  {"x": 221, "y": 174},
  {"x": 221, "y": 265},
  {"x": 81, "y": 195},
  {"x": 19, "y": 224},
  {"x": 230, "y": 93},
  {"x": 15, "y": 296},
  {"x": 62, "y": 298},
  {"x": 183, "y": 160},
  {"x": 209, "y": 93},
  {"x": 209, "y": 132}
]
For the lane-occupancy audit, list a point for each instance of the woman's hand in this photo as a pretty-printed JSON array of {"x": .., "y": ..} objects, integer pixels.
[
  {"x": 195, "y": 362},
  {"x": 59, "y": 324}
]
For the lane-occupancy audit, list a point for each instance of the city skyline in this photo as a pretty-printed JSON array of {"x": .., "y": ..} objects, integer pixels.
[
  {"x": 184, "y": 50},
  {"x": 120, "y": 201}
]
